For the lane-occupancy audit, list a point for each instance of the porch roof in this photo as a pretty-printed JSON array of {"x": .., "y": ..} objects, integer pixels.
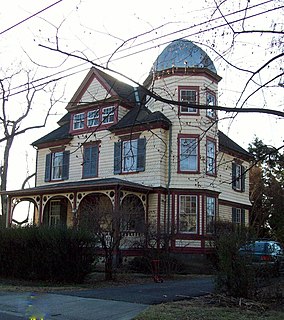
[{"x": 86, "y": 185}]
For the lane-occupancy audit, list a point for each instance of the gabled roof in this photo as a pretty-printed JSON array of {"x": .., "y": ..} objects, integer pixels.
[
  {"x": 117, "y": 89},
  {"x": 138, "y": 116},
  {"x": 228, "y": 144}
]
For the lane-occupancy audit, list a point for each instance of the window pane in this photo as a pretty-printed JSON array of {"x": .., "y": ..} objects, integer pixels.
[
  {"x": 188, "y": 154},
  {"x": 78, "y": 121},
  {"x": 188, "y": 214},
  {"x": 210, "y": 158},
  {"x": 57, "y": 164},
  {"x": 210, "y": 214},
  {"x": 129, "y": 156},
  {"x": 93, "y": 118},
  {"x": 108, "y": 114},
  {"x": 189, "y": 96}
]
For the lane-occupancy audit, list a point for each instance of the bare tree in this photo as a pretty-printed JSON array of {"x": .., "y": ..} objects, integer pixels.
[
  {"x": 13, "y": 121},
  {"x": 110, "y": 226}
]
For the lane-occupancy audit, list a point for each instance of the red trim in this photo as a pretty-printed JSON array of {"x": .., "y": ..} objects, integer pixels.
[
  {"x": 185, "y": 72},
  {"x": 189, "y": 136},
  {"x": 100, "y": 126},
  {"x": 191, "y": 88}
]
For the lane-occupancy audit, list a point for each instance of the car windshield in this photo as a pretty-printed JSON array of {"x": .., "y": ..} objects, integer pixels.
[{"x": 256, "y": 247}]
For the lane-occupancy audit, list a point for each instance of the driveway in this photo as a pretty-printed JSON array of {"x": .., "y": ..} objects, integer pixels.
[
  {"x": 117, "y": 303},
  {"x": 151, "y": 293}
]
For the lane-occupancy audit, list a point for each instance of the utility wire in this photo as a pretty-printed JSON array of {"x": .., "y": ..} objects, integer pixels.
[
  {"x": 28, "y": 18},
  {"x": 149, "y": 48}
]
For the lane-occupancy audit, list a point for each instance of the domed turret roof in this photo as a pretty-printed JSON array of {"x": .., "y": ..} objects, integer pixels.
[{"x": 183, "y": 53}]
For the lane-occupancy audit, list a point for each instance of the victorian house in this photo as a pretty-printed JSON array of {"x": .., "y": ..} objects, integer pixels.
[{"x": 154, "y": 151}]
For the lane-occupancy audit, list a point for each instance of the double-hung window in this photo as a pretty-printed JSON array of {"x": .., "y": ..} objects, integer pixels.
[
  {"x": 189, "y": 96},
  {"x": 90, "y": 161},
  {"x": 238, "y": 177},
  {"x": 210, "y": 157},
  {"x": 93, "y": 118},
  {"x": 78, "y": 121},
  {"x": 238, "y": 216},
  {"x": 210, "y": 214},
  {"x": 129, "y": 156},
  {"x": 57, "y": 166},
  {"x": 108, "y": 115},
  {"x": 210, "y": 101},
  {"x": 188, "y": 209},
  {"x": 188, "y": 154}
]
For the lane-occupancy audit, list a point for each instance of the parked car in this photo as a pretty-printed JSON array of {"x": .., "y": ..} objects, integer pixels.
[{"x": 264, "y": 256}]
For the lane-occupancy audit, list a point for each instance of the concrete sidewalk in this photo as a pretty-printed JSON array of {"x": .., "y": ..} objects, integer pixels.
[{"x": 49, "y": 306}]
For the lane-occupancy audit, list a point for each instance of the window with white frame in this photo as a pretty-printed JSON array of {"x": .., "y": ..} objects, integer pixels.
[
  {"x": 188, "y": 154},
  {"x": 210, "y": 101},
  {"x": 57, "y": 166},
  {"x": 238, "y": 216},
  {"x": 191, "y": 97},
  {"x": 210, "y": 157},
  {"x": 93, "y": 118},
  {"x": 54, "y": 213},
  {"x": 210, "y": 214},
  {"x": 238, "y": 177},
  {"x": 108, "y": 115},
  {"x": 188, "y": 213},
  {"x": 78, "y": 121}
]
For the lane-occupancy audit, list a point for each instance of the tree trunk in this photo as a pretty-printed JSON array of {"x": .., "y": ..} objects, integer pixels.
[{"x": 3, "y": 176}]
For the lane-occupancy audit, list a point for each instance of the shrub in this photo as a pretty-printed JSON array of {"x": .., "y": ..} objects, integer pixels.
[
  {"x": 233, "y": 276},
  {"x": 50, "y": 254}
]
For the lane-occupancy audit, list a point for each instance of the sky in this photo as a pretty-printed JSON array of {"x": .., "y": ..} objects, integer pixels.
[{"x": 127, "y": 36}]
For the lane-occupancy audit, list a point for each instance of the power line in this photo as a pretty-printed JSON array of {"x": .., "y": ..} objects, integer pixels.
[
  {"x": 28, "y": 18},
  {"x": 149, "y": 48}
]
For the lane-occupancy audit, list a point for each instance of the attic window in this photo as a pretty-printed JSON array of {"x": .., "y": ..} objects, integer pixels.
[
  {"x": 78, "y": 121},
  {"x": 108, "y": 115}
]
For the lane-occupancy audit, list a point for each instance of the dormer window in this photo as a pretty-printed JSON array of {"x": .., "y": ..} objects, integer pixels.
[
  {"x": 93, "y": 118},
  {"x": 78, "y": 121},
  {"x": 108, "y": 115},
  {"x": 189, "y": 95}
]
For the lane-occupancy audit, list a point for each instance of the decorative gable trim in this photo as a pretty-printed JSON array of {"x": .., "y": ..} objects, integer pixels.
[{"x": 92, "y": 74}]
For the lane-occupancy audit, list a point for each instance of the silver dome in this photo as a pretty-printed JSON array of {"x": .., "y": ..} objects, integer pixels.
[{"x": 183, "y": 53}]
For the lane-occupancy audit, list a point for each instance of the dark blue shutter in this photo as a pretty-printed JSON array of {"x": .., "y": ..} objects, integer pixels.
[
  {"x": 86, "y": 162},
  {"x": 243, "y": 217},
  {"x": 141, "y": 154},
  {"x": 234, "y": 175},
  {"x": 47, "y": 176},
  {"x": 94, "y": 154},
  {"x": 117, "y": 157},
  {"x": 243, "y": 178},
  {"x": 65, "y": 166}
]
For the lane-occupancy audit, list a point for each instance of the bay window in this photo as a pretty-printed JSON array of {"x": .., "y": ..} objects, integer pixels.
[
  {"x": 188, "y": 154},
  {"x": 210, "y": 214},
  {"x": 210, "y": 157},
  {"x": 188, "y": 213},
  {"x": 190, "y": 96}
]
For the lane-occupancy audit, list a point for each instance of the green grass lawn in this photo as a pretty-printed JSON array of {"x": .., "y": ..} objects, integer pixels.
[{"x": 198, "y": 310}]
